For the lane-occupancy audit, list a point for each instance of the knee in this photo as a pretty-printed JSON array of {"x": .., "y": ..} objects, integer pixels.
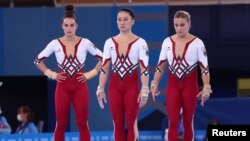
[
  {"x": 187, "y": 121},
  {"x": 118, "y": 124},
  {"x": 61, "y": 125},
  {"x": 174, "y": 124},
  {"x": 83, "y": 124},
  {"x": 131, "y": 124},
  {"x": 188, "y": 124}
]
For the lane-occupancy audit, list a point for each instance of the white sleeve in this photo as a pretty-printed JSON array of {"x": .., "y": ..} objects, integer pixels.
[
  {"x": 106, "y": 53},
  {"x": 49, "y": 49},
  {"x": 93, "y": 50},
  {"x": 144, "y": 54},
  {"x": 202, "y": 57},
  {"x": 163, "y": 54}
]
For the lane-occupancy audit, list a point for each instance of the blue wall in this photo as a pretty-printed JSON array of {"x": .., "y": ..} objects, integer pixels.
[
  {"x": 1, "y": 43},
  {"x": 25, "y": 33}
]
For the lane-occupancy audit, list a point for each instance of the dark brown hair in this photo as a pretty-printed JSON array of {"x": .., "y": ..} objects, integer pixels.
[
  {"x": 69, "y": 12},
  {"x": 129, "y": 11}
]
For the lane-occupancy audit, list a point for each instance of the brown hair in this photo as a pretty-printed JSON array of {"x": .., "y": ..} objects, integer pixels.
[
  {"x": 26, "y": 110},
  {"x": 183, "y": 14},
  {"x": 69, "y": 12}
]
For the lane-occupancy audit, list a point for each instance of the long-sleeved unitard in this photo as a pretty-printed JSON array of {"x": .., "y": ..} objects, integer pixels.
[
  {"x": 182, "y": 87},
  {"x": 124, "y": 84},
  {"x": 70, "y": 90}
]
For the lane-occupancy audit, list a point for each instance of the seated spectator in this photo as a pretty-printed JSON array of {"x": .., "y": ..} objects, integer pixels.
[
  {"x": 25, "y": 117},
  {"x": 4, "y": 125}
]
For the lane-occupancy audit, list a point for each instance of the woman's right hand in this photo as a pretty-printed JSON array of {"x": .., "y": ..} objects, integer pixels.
[
  {"x": 60, "y": 77},
  {"x": 154, "y": 89},
  {"x": 101, "y": 96},
  {"x": 81, "y": 78}
]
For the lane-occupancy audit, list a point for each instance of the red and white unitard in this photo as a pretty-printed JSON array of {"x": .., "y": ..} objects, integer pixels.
[
  {"x": 124, "y": 84},
  {"x": 70, "y": 90},
  {"x": 182, "y": 86}
]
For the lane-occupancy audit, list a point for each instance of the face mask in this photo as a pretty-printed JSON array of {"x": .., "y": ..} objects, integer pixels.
[{"x": 19, "y": 118}]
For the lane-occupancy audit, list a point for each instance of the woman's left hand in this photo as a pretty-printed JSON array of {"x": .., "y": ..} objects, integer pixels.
[
  {"x": 205, "y": 94},
  {"x": 81, "y": 78}
]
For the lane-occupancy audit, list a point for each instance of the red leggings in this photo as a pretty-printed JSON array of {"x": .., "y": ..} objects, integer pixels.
[
  {"x": 181, "y": 94},
  {"x": 66, "y": 92},
  {"x": 123, "y": 96}
]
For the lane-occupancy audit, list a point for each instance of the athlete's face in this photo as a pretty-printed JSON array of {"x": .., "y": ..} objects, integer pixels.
[
  {"x": 69, "y": 26},
  {"x": 181, "y": 26},
  {"x": 124, "y": 21}
]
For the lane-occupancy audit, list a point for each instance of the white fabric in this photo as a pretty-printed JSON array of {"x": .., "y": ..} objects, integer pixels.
[
  {"x": 195, "y": 53},
  {"x": 55, "y": 47},
  {"x": 138, "y": 53},
  {"x": 70, "y": 64}
]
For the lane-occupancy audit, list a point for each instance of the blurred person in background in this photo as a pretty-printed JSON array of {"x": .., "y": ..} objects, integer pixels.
[
  {"x": 25, "y": 117},
  {"x": 5, "y": 128}
]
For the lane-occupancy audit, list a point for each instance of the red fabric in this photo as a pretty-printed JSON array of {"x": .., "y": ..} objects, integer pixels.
[
  {"x": 123, "y": 96},
  {"x": 181, "y": 93},
  {"x": 67, "y": 92}
]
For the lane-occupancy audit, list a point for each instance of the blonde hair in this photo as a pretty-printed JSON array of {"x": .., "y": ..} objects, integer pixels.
[{"x": 183, "y": 14}]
